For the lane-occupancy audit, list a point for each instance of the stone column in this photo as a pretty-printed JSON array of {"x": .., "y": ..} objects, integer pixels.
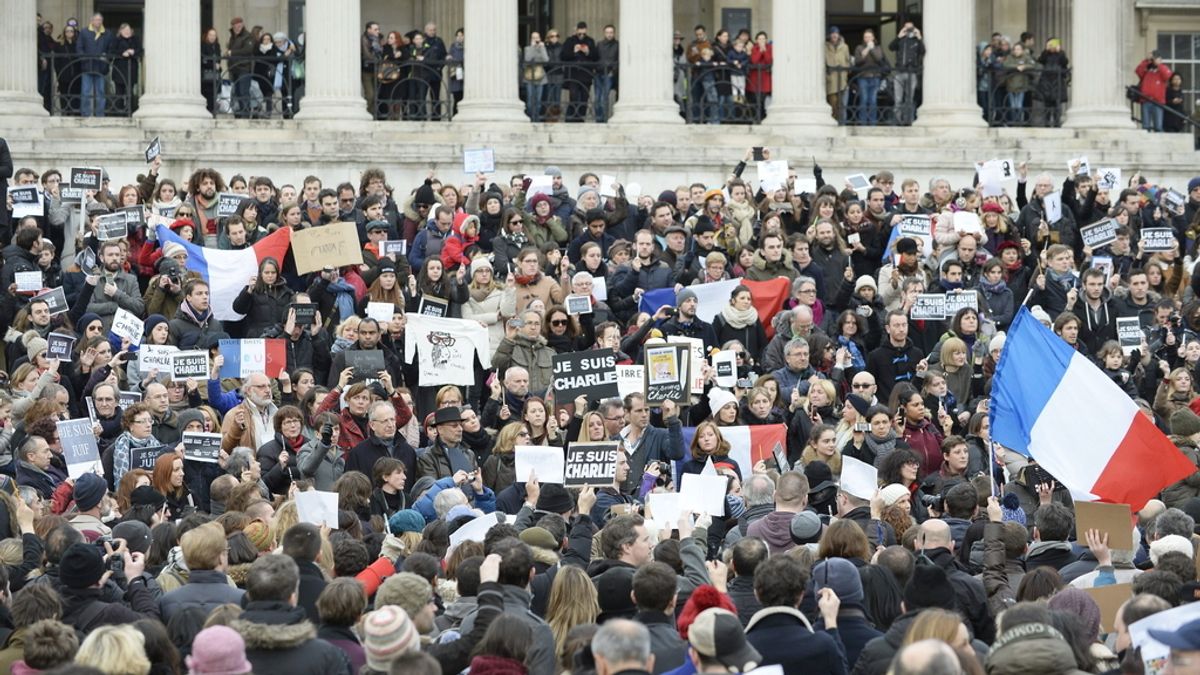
[
  {"x": 172, "y": 62},
  {"x": 798, "y": 72},
  {"x": 18, "y": 69},
  {"x": 948, "y": 84},
  {"x": 646, "y": 67},
  {"x": 333, "y": 83},
  {"x": 1047, "y": 19},
  {"x": 1097, "y": 97},
  {"x": 490, "y": 64}
]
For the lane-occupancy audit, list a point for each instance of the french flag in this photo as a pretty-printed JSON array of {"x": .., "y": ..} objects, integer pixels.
[
  {"x": 1052, "y": 404},
  {"x": 228, "y": 271},
  {"x": 768, "y": 297},
  {"x": 260, "y": 355},
  {"x": 747, "y": 444}
]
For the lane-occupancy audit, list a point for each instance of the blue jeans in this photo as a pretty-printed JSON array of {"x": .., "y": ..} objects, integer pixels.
[
  {"x": 602, "y": 84},
  {"x": 533, "y": 101},
  {"x": 868, "y": 94},
  {"x": 241, "y": 102},
  {"x": 1152, "y": 116},
  {"x": 551, "y": 96},
  {"x": 1015, "y": 102},
  {"x": 92, "y": 93}
]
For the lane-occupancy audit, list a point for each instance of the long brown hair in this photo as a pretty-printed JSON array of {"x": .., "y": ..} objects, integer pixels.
[{"x": 164, "y": 466}]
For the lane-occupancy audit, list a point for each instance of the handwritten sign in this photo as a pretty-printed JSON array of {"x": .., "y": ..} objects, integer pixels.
[
  {"x": 28, "y": 282},
  {"x": 1052, "y": 205},
  {"x": 127, "y": 325},
  {"x": 479, "y": 160},
  {"x": 332, "y": 245},
  {"x": 631, "y": 380},
  {"x": 156, "y": 358},
  {"x": 773, "y": 175}
]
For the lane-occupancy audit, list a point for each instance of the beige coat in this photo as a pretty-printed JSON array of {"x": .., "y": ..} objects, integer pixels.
[{"x": 836, "y": 57}]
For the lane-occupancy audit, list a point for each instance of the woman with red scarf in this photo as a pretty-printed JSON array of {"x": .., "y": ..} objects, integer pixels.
[{"x": 1018, "y": 268}]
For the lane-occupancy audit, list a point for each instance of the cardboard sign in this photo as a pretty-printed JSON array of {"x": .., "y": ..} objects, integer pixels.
[
  {"x": 433, "y": 306},
  {"x": 86, "y": 178},
  {"x": 318, "y": 507},
  {"x": 306, "y": 313},
  {"x": 591, "y": 464},
  {"x": 631, "y": 380},
  {"x": 28, "y": 282},
  {"x": 579, "y": 304},
  {"x": 859, "y": 478},
  {"x": 396, "y": 247},
  {"x": 772, "y": 175},
  {"x": 111, "y": 226},
  {"x": 79, "y": 447},
  {"x": 153, "y": 150},
  {"x": 1110, "y": 599},
  {"x": 960, "y": 299},
  {"x": 332, "y": 245},
  {"x": 547, "y": 463},
  {"x": 69, "y": 194},
  {"x": 227, "y": 203},
  {"x": 592, "y": 373},
  {"x": 26, "y": 201},
  {"x": 1129, "y": 333},
  {"x": 1115, "y": 520},
  {"x": 1108, "y": 179},
  {"x": 381, "y": 311},
  {"x": 725, "y": 364},
  {"x": 189, "y": 365},
  {"x": 127, "y": 325},
  {"x": 56, "y": 298},
  {"x": 929, "y": 306},
  {"x": 201, "y": 447},
  {"x": 59, "y": 346},
  {"x": 146, "y": 458},
  {"x": 128, "y": 398},
  {"x": 703, "y": 494},
  {"x": 1158, "y": 239},
  {"x": 479, "y": 160},
  {"x": 157, "y": 357},
  {"x": 1052, "y": 207},
  {"x": 667, "y": 378},
  {"x": 366, "y": 363},
  {"x": 1099, "y": 234}
]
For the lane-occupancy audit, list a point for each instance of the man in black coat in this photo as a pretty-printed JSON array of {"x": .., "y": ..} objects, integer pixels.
[
  {"x": 936, "y": 542},
  {"x": 302, "y": 543},
  {"x": 369, "y": 337},
  {"x": 385, "y": 441},
  {"x": 579, "y": 48},
  {"x": 896, "y": 360},
  {"x": 6, "y": 172}
]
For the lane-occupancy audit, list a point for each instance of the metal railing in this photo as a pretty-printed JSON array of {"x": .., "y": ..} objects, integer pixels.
[
  {"x": 1138, "y": 100},
  {"x": 1032, "y": 98},
  {"x": 412, "y": 90},
  {"x": 722, "y": 93},
  {"x": 568, "y": 91},
  {"x": 91, "y": 86},
  {"x": 874, "y": 95},
  {"x": 251, "y": 87}
]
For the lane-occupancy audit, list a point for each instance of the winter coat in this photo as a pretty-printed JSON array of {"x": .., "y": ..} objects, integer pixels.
[
  {"x": 95, "y": 45},
  {"x": 188, "y": 331},
  {"x": 657, "y": 444},
  {"x": 516, "y": 299},
  {"x": 877, "y": 655},
  {"x": 652, "y": 275},
  {"x": 758, "y": 80},
  {"x": 1152, "y": 80},
  {"x": 500, "y": 471},
  {"x": 1019, "y": 81},
  {"x": 1176, "y": 494},
  {"x": 364, "y": 455},
  {"x": 533, "y": 355},
  {"x": 487, "y": 312},
  {"x": 762, "y": 270},
  {"x": 128, "y": 297},
  {"x": 280, "y": 640},
  {"x": 79, "y": 613},
  {"x": 1031, "y": 649},
  {"x": 263, "y": 308},
  {"x": 670, "y": 650},
  {"x": 783, "y": 636},
  {"x": 892, "y": 365},
  {"x": 206, "y": 589},
  {"x": 837, "y": 60},
  {"x": 435, "y": 463},
  {"x": 324, "y": 464},
  {"x": 516, "y": 603},
  {"x": 775, "y": 529},
  {"x": 427, "y": 244}
]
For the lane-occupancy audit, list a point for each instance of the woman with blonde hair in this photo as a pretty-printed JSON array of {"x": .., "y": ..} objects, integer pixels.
[
  {"x": 346, "y": 333},
  {"x": 947, "y": 627},
  {"x": 500, "y": 468},
  {"x": 1175, "y": 392},
  {"x": 573, "y": 602},
  {"x": 115, "y": 650}
]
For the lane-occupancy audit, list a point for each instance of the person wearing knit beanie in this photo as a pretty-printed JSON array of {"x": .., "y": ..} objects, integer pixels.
[
  {"x": 406, "y": 520},
  {"x": 840, "y": 575},
  {"x": 1184, "y": 423},
  {"x": 35, "y": 345},
  {"x": 704, "y": 597},
  {"x": 1168, "y": 544},
  {"x": 1077, "y": 601},
  {"x": 388, "y": 633},
  {"x": 173, "y": 249},
  {"x": 218, "y": 650},
  {"x": 89, "y": 491},
  {"x": 684, "y": 295},
  {"x": 893, "y": 493},
  {"x": 407, "y": 591},
  {"x": 259, "y": 534},
  {"x": 929, "y": 587},
  {"x": 81, "y": 566}
]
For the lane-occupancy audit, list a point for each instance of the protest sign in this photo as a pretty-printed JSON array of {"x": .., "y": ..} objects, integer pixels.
[
  {"x": 772, "y": 175},
  {"x": 1115, "y": 520},
  {"x": 859, "y": 478},
  {"x": 318, "y": 507},
  {"x": 86, "y": 178},
  {"x": 633, "y": 191},
  {"x": 135, "y": 216},
  {"x": 127, "y": 325},
  {"x": 145, "y": 458},
  {"x": 479, "y": 160},
  {"x": 667, "y": 378},
  {"x": 1154, "y": 653},
  {"x": 189, "y": 365},
  {"x": 859, "y": 183},
  {"x": 1099, "y": 234},
  {"x": 259, "y": 355},
  {"x": 433, "y": 306},
  {"x": 1108, "y": 178},
  {"x": 28, "y": 282},
  {"x": 996, "y": 171},
  {"x": 696, "y": 360},
  {"x": 540, "y": 185},
  {"x": 547, "y": 463},
  {"x": 703, "y": 494},
  {"x": 59, "y": 346},
  {"x": 69, "y": 194},
  {"x": 592, "y": 373},
  {"x": 1105, "y": 264},
  {"x": 395, "y": 247},
  {"x": 599, "y": 289},
  {"x": 1109, "y": 599},
  {"x": 592, "y": 464},
  {"x": 724, "y": 364},
  {"x": 110, "y": 226},
  {"x": 201, "y": 447},
  {"x": 919, "y": 227},
  {"x": 381, "y": 312},
  {"x": 475, "y": 530},
  {"x": 608, "y": 186},
  {"x": 579, "y": 304},
  {"x": 79, "y": 449},
  {"x": 128, "y": 398},
  {"x": 153, "y": 150},
  {"x": 306, "y": 313},
  {"x": 929, "y": 306},
  {"x": 227, "y": 203},
  {"x": 960, "y": 299},
  {"x": 1158, "y": 239},
  {"x": 1084, "y": 169},
  {"x": 156, "y": 357},
  {"x": 1173, "y": 201},
  {"x": 631, "y": 380},
  {"x": 665, "y": 507},
  {"x": 56, "y": 298},
  {"x": 1129, "y": 333},
  {"x": 26, "y": 200},
  {"x": 1052, "y": 207},
  {"x": 86, "y": 259},
  {"x": 332, "y": 245},
  {"x": 366, "y": 363}
]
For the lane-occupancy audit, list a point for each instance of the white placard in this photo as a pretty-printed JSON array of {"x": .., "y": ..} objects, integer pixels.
[
  {"x": 152, "y": 357},
  {"x": 1171, "y": 619},
  {"x": 633, "y": 191},
  {"x": 578, "y": 304},
  {"x": 997, "y": 171},
  {"x": 475, "y": 530},
  {"x": 630, "y": 380},
  {"x": 479, "y": 160},
  {"x": 772, "y": 175},
  {"x": 724, "y": 365},
  {"x": 859, "y": 183},
  {"x": 318, "y": 508},
  {"x": 540, "y": 185},
  {"x": 1109, "y": 178},
  {"x": 28, "y": 282},
  {"x": 27, "y": 201},
  {"x": 380, "y": 311},
  {"x": 703, "y": 494},
  {"x": 606, "y": 186},
  {"x": 600, "y": 289},
  {"x": 547, "y": 463},
  {"x": 127, "y": 325},
  {"x": 1085, "y": 169},
  {"x": 665, "y": 507},
  {"x": 1052, "y": 203},
  {"x": 966, "y": 222},
  {"x": 859, "y": 478}
]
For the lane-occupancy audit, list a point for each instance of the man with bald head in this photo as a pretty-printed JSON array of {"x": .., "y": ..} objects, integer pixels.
[
  {"x": 251, "y": 422},
  {"x": 507, "y": 402},
  {"x": 792, "y": 324},
  {"x": 935, "y": 542},
  {"x": 166, "y": 422},
  {"x": 925, "y": 657}
]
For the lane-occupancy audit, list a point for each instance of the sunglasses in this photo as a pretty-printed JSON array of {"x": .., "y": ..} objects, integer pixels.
[{"x": 558, "y": 322}]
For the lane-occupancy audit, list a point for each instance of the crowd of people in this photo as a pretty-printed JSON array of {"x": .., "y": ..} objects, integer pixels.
[{"x": 965, "y": 559}]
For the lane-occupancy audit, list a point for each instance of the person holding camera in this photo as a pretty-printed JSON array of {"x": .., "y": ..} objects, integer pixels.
[
  {"x": 83, "y": 571},
  {"x": 910, "y": 54},
  {"x": 1153, "y": 76}
]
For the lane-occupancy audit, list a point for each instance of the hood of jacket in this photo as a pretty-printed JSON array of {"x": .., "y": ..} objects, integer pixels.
[
  {"x": 782, "y": 323},
  {"x": 273, "y": 626},
  {"x": 775, "y": 528},
  {"x": 1031, "y": 649},
  {"x": 784, "y": 262}
]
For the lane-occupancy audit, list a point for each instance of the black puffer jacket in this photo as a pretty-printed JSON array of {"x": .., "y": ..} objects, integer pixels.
[
  {"x": 280, "y": 640},
  {"x": 264, "y": 307}
]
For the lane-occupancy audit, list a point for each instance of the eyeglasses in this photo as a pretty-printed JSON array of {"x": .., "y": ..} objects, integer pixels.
[{"x": 143, "y": 421}]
